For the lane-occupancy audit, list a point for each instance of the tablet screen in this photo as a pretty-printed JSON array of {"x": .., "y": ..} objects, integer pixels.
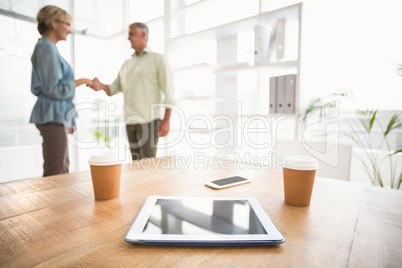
[
  {"x": 209, "y": 217},
  {"x": 203, "y": 221}
]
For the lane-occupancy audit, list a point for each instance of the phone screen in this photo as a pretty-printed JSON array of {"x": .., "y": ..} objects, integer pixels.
[{"x": 230, "y": 180}]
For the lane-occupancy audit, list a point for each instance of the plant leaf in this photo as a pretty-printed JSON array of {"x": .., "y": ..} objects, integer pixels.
[
  {"x": 399, "y": 184},
  {"x": 343, "y": 94},
  {"x": 98, "y": 134},
  {"x": 393, "y": 123},
  {"x": 372, "y": 120},
  {"x": 399, "y": 71},
  {"x": 396, "y": 152},
  {"x": 367, "y": 119},
  {"x": 311, "y": 108}
]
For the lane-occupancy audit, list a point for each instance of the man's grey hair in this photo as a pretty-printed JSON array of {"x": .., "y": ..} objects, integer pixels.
[{"x": 142, "y": 26}]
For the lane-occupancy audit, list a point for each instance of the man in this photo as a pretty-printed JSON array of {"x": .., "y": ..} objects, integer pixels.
[{"x": 144, "y": 80}]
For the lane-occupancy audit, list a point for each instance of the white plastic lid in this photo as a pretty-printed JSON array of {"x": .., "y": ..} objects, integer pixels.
[
  {"x": 301, "y": 162},
  {"x": 104, "y": 159}
]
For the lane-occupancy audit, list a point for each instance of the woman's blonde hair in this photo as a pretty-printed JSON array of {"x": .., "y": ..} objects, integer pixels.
[{"x": 49, "y": 14}]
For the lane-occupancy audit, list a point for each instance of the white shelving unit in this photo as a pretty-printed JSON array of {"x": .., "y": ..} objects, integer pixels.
[
  {"x": 291, "y": 13},
  {"x": 184, "y": 43},
  {"x": 216, "y": 72}
]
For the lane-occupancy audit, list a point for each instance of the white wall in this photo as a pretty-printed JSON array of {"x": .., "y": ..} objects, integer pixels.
[{"x": 352, "y": 45}]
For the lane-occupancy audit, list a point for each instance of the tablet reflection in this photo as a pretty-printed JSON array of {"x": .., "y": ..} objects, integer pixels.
[{"x": 196, "y": 217}]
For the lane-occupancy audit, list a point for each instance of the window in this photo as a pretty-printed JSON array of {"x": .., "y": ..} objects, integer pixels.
[
  {"x": 219, "y": 12},
  {"x": 144, "y": 11},
  {"x": 20, "y": 141}
]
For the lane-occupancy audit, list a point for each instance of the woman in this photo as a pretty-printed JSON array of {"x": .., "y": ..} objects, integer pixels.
[{"x": 54, "y": 85}]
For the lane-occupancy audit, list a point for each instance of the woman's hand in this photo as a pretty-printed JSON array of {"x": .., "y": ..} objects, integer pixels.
[
  {"x": 89, "y": 82},
  {"x": 83, "y": 81},
  {"x": 70, "y": 130}
]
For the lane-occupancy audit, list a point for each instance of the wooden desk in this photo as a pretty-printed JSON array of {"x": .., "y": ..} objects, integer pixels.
[{"x": 54, "y": 221}]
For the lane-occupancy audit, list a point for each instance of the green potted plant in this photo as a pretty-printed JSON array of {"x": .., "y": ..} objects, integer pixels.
[
  {"x": 360, "y": 133},
  {"x": 101, "y": 137}
]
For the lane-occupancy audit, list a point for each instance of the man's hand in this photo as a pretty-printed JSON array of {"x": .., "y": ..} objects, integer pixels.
[
  {"x": 96, "y": 84},
  {"x": 164, "y": 128}
]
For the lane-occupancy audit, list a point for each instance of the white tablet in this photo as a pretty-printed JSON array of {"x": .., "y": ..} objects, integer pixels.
[{"x": 203, "y": 221}]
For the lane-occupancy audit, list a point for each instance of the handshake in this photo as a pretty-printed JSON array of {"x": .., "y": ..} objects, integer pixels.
[{"x": 95, "y": 84}]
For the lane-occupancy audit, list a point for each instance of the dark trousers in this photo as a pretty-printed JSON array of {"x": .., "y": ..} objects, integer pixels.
[
  {"x": 55, "y": 149},
  {"x": 143, "y": 139}
]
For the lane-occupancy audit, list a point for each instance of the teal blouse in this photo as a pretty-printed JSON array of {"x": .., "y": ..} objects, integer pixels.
[{"x": 53, "y": 83}]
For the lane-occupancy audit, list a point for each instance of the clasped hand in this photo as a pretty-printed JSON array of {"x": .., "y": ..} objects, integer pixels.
[{"x": 95, "y": 84}]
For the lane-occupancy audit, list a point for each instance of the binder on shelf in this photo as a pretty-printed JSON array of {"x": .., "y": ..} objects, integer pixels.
[
  {"x": 290, "y": 91},
  {"x": 280, "y": 95},
  {"x": 280, "y": 39},
  {"x": 226, "y": 50},
  {"x": 261, "y": 44},
  {"x": 272, "y": 95}
]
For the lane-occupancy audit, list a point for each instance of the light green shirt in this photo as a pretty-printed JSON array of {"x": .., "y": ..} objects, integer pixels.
[{"x": 146, "y": 83}]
